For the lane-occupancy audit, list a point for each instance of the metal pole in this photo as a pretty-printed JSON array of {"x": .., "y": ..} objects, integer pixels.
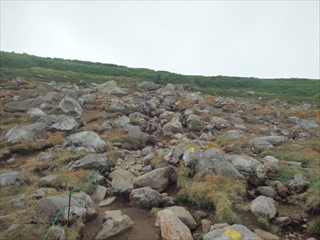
[{"x": 69, "y": 208}]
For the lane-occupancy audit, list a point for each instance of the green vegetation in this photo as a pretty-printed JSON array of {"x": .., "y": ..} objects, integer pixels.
[
  {"x": 292, "y": 90},
  {"x": 313, "y": 196},
  {"x": 315, "y": 227},
  {"x": 215, "y": 191}
]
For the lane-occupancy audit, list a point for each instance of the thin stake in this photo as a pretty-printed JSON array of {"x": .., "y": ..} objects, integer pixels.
[{"x": 69, "y": 208}]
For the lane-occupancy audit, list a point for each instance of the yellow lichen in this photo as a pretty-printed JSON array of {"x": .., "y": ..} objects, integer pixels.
[{"x": 233, "y": 234}]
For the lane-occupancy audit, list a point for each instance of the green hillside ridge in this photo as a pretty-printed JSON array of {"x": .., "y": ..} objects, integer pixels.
[{"x": 294, "y": 90}]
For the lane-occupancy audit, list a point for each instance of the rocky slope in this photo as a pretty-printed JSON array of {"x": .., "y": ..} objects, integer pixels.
[{"x": 246, "y": 169}]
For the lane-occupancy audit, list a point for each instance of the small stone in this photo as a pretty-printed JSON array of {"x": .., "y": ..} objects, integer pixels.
[
  {"x": 11, "y": 161},
  {"x": 206, "y": 224},
  {"x": 305, "y": 226},
  {"x": 107, "y": 201},
  {"x": 201, "y": 213},
  {"x": 291, "y": 235},
  {"x": 164, "y": 195}
]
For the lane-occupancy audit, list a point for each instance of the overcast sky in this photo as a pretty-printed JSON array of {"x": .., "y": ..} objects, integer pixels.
[{"x": 266, "y": 39}]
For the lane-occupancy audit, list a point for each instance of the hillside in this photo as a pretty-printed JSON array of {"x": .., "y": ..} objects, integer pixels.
[
  {"x": 140, "y": 159},
  {"x": 292, "y": 90}
]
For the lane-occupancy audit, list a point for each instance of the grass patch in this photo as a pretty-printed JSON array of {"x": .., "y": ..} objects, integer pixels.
[
  {"x": 130, "y": 143},
  {"x": 215, "y": 191},
  {"x": 315, "y": 226},
  {"x": 313, "y": 196}
]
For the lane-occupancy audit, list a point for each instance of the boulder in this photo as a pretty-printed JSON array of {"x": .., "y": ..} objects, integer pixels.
[
  {"x": 111, "y": 88},
  {"x": 276, "y": 140},
  {"x": 259, "y": 144},
  {"x": 35, "y": 112},
  {"x": 92, "y": 161},
  {"x": 172, "y": 127},
  {"x": 25, "y": 104},
  {"x": 87, "y": 140},
  {"x": 145, "y": 197},
  {"x": 191, "y": 156},
  {"x": 267, "y": 191},
  {"x": 218, "y": 165},
  {"x": 149, "y": 86},
  {"x": 184, "y": 215},
  {"x": 11, "y": 178},
  {"x": 68, "y": 104},
  {"x": 81, "y": 207},
  {"x": 121, "y": 173},
  {"x": 174, "y": 155},
  {"x": 235, "y": 232},
  {"x": 57, "y": 233},
  {"x": 270, "y": 161},
  {"x": 116, "y": 104},
  {"x": 18, "y": 202},
  {"x": 99, "y": 194},
  {"x": 115, "y": 223},
  {"x": 45, "y": 157},
  {"x": 135, "y": 132},
  {"x": 220, "y": 122},
  {"x": 233, "y": 134},
  {"x": 306, "y": 124},
  {"x": 121, "y": 186},
  {"x": 157, "y": 179},
  {"x": 172, "y": 227},
  {"x": 247, "y": 164},
  {"x": 59, "y": 122},
  {"x": 87, "y": 99},
  {"x": 264, "y": 207},
  {"x": 36, "y": 131}
]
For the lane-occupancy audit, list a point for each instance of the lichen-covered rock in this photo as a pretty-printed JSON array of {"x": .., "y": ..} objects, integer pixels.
[
  {"x": 87, "y": 140},
  {"x": 68, "y": 104},
  {"x": 36, "y": 131},
  {"x": 233, "y": 232},
  {"x": 91, "y": 161},
  {"x": 184, "y": 215},
  {"x": 11, "y": 178}
]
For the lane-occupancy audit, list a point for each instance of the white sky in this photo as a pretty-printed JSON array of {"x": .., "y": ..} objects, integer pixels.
[{"x": 266, "y": 39}]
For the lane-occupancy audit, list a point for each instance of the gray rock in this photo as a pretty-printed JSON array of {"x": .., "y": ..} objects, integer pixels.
[
  {"x": 172, "y": 227},
  {"x": 99, "y": 194},
  {"x": 145, "y": 198},
  {"x": 91, "y": 161},
  {"x": 81, "y": 207},
  {"x": 57, "y": 233},
  {"x": 184, "y": 215},
  {"x": 206, "y": 136},
  {"x": 39, "y": 193},
  {"x": 267, "y": 191},
  {"x": 59, "y": 122},
  {"x": 172, "y": 127},
  {"x": 25, "y": 104},
  {"x": 193, "y": 96},
  {"x": 149, "y": 86},
  {"x": 121, "y": 173},
  {"x": 174, "y": 155},
  {"x": 11, "y": 178},
  {"x": 111, "y": 88},
  {"x": 191, "y": 156},
  {"x": 87, "y": 140},
  {"x": 107, "y": 201},
  {"x": 135, "y": 132},
  {"x": 235, "y": 231},
  {"x": 247, "y": 164},
  {"x": 36, "y": 131},
  {"x": 282, "y": 221},
  {"x": 45, "y": 157},
  {"x": 68, "y": 104},
  {"x": 121, "y": 186},
  {"x": 87, "y": 99},
  {"x": 18, "y": 202},
  {"x": 306, "y": 124},
  {"x": 276, "y": 140},
  {"x": 259, "y": 144},
  {"x": 233, "y": 134},
  {"x": 264, "y": 207},
  {"x": 299, "y": 184},
  {"x": 115, "y": 223},
  {"x": 35, "y": 112},
  {"x": 106, "y": 125},
  {"x": 220, "y": 122},
  {"x": 116, "y": 104},
  {"x": 157, "y": 179},
  {"x": 11, "y": 161},
  {"x": 216, "y": 164}
]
